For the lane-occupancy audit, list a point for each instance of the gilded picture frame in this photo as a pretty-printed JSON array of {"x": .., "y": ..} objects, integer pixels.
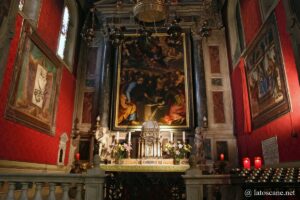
[
  {"x": 266, "y": 79},
  {"x": 153, "y": 82},
  {"x": 34, "y": 87}
]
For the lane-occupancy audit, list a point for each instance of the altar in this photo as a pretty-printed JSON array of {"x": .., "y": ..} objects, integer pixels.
[
  {"x": 148, "y": 165},
  {"x": 147, "y": 151}
]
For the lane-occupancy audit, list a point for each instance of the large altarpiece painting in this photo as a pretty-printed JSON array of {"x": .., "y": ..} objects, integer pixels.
[
  {"x": 153, "y": 82},
  {"x": 268, "y": 95}
]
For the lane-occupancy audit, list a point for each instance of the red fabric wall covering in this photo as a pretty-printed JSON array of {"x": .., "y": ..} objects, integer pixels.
[
  {"x": 249, "y": 144},
  {"x": 251, "y": 18},
  {"x": 18, "y": 142},
  {"x": 50, "y": 22}
]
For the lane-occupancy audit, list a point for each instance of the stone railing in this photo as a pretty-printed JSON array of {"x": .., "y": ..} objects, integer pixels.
[
  {"x": 223, "y": 185},
  {"x": 87, "y": 186}
]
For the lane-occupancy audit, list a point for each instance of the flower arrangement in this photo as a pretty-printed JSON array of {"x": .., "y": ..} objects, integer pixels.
[
  {"x": 119, "y": 150},
  {"x": 177, "y": 150}
]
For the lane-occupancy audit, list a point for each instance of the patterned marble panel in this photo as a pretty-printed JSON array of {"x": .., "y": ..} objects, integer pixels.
[
  {"x": 219, "y": 115},
  {"x": 214, "y": 59}
]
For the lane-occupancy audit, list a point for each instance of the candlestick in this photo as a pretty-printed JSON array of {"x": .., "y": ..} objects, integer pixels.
[
  {"x": 118, "y": 136},
  {"x": 77, "y": 156},
  {"x": 257, "y": 162},
  {"x": 246, "y": 163},
  {"x": 183, "y": 137},
  {"x": 222, "y": 157},
  {"x": 129, "y": 138},
  {"x": 171, "y": 136}
]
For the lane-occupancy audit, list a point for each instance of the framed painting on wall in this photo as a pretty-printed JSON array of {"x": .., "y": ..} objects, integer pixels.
[
  {"x": 34, "y": 89},
  {"x": 268, "y": 94},
  {"x": 152, "y": 83}
]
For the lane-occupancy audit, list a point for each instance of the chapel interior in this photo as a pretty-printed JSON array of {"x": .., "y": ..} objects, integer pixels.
[{"x": 149, "y": 99}]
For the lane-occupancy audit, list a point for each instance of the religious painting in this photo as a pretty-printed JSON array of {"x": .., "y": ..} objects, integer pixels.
[
  {"x": 33, "y": 97},
  {"x": 152, "y": 83},
  {"x": 268, "y": 96}
]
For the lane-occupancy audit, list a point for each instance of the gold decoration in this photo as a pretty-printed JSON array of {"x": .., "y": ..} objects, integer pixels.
[{"x": 150, "y": 11}]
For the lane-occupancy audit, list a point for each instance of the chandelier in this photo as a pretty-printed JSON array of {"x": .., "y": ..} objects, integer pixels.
[
  {"x": 88, "y": 30},
  {"x": 147, "y": 17},
  {"x": 150, "y": 11}
]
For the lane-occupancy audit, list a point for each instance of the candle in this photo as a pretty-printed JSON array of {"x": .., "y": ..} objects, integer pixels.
[
  {"x": 171, "y": 136},
  {"x": 77, "y": 156},
  {"x": 183, "y": 137},
  {"x": 205, "y": 125},
  {"x": 129, "y": 138},
  {"x": 98, "y": 118},
  {"x": 246, "y": 163},
  {"x": 118, "y": 136},
  {"x": 222, "y": 156},
  {"x": 257, "y": 162}
]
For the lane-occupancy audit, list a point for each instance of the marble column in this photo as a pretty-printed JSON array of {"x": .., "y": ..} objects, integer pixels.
[
  {"x": 199, "y": 80},
  {"x": 104, "y": 82}
]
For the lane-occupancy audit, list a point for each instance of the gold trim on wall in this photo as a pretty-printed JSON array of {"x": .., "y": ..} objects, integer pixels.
[{"x": 8, "y": 166}]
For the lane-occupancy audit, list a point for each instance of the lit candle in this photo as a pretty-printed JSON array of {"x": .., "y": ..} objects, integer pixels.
[
  {"x": 98, "y": 118},
  {"x": 183, "y": 137},
  {"x": 246, "y": 163},
  {"x": 118, "y": 136},
  {"x": 171, "y": 136},
  {"x": 257, "y": 162},
  {"x": 222, "y": 156},
  {"x": 77, "y": 156},
  {"x": 129, "y": 138}
]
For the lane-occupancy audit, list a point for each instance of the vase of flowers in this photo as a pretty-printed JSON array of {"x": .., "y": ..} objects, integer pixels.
[
  {"x": 119, "y": 151},
  {"x": 177, "y": 151}
]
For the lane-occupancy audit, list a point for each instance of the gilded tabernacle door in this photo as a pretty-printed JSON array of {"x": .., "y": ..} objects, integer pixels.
[{"x": 152, "y": 83}]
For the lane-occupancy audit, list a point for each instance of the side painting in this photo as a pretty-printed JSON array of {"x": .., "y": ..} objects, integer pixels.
[
  {"x": 266, "y": 77},
  {"x": 33, "y": 97},
  {"x": 152, "y": 83}
]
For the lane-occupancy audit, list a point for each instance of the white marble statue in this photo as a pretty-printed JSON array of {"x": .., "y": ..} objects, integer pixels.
[
  {"x": 102, "y": 136},
  {"x": 199, "y": 146}
]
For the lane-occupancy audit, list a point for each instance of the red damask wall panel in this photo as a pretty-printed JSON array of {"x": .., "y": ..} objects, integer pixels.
[
  {"x": 18, "y": 142},
  {"x": 50, "y": 22},
  {"x": 249, "y": 141},
  {"x": 251, "y": 18}
]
